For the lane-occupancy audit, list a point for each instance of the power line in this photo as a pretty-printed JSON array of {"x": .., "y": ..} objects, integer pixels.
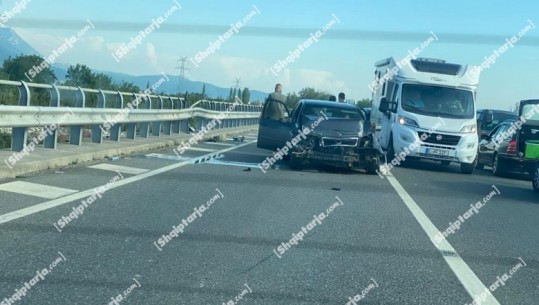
[
  {"x": 182, "y": 69},
  {"x": 237, "y": 82}
]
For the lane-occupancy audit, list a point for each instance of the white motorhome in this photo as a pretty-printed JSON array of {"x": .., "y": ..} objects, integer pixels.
[{"x": 425, "y": 108}]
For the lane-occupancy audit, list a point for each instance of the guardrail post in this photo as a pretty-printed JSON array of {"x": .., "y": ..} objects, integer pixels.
[
  {"x": 145, "y": 126},
  {"x": 217, "y": 106},
  {"x": 176, "y": 104},
  {"x": 184, "y": 124},
  {"x": 116, "y": 129},
  {"x": 200, "y": 120},
  {"x": 51, "y": 139},
  {"x": 75, "y": 136},
  {"x": 132, "y": 127},
  {"x": 156, "y": 126},
  {"x": 18, "y": 134},
  {"x": 97, "y": 132},
  {"x": 235, "y": 122},
  {"x": 242, "y": 120},
  {"x": 167, "y": 126}
]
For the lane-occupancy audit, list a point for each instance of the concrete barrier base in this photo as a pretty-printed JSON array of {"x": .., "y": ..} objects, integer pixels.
[{"x": 44, "y": 159}]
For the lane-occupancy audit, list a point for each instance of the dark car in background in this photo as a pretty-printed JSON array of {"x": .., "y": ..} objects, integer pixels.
[
  {"x": 487, "y": 119},
  {"x": 322, "y": 132},
  {"x": 513, "y": 145}
]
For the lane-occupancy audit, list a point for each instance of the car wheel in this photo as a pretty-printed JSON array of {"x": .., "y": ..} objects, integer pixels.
[
  {"x": 467, "y": 168},
  {"x": 536, "y": 179},
  {"x": 295, "y": 163},
  {"x": 498, "y": 168}
]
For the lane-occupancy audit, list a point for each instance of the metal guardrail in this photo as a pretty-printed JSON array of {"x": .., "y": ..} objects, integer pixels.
[{"x": 168, "y": 120}]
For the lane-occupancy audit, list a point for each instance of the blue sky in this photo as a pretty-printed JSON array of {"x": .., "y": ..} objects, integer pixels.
[{"x": 337, "y": 62}]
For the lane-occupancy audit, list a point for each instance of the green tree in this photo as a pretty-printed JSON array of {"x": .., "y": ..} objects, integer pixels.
[
  {"x": 364, "y": 103},
  {"x": 230, "y": 95},
  {"x": 28, "y": 68},
  {"x": 311, "y": 93},
  {"x": 80, "y": 76},
  {"x": 3, "y": 74},
  {"x": 127, "y": 87},
  {"x": 104, "y": 82},
  {"x": 8, "y": 95},
  {"x": 204, "y": 91},
  {"x": 292, "y": 99},
  {"x": 239, "y": 93},
  {"x": 246, "y": 96}
]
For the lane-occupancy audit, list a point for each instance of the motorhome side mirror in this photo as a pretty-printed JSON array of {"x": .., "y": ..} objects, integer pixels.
[
  {"x": 387, "y": 106},
  {"x": 384, "y": 105}
]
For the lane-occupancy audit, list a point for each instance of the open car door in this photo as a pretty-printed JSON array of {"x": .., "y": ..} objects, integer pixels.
[
  {"x": 528, "y": 136},
  {"x": 274, "y": 127}
]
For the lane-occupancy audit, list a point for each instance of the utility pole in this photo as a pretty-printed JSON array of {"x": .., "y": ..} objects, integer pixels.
[
  {"x": 237, "y": 82},
  {"x": 182, "y": 69}
]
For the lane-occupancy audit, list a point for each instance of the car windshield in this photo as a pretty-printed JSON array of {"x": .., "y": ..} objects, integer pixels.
[
  {"x": 530, "y": 112},
  {"x": 499, "y": 118},
  {"x": 438, "y": 101},
  {"x": 332, "y": 112}
]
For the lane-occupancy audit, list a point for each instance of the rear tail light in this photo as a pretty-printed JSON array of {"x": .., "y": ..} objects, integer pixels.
[{"x": 512, "y": 148}]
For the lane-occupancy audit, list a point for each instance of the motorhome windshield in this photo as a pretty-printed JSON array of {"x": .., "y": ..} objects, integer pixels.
[{"x": 438, "y": 101}]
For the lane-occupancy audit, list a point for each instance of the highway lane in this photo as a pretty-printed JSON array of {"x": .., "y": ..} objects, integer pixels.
[{"x": 371, "y": 243}]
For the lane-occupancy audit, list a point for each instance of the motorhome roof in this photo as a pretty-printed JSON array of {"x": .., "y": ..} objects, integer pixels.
[{"x": 429, "y": 70}]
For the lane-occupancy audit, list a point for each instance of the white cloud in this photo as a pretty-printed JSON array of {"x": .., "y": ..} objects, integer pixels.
[
  {"x": 94, "y": 43},
  {"x": 151, "y": 55}
]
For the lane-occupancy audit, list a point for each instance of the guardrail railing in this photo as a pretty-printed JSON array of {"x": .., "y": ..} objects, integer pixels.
[{"x": 167, "y": 116}]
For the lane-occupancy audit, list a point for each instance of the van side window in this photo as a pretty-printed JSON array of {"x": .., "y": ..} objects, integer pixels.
[{"x": 392, "y": 90}]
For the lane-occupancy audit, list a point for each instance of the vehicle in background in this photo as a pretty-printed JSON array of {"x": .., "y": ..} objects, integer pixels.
[
  {"x": 427, "y": 98},
  {"x": 513, "y": 145},
  {"x": 487, "y": 119},
  {"x": 337, "y": 134}
]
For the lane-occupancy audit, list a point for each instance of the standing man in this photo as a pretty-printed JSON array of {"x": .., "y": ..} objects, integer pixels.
[
  {"x": 277, "y": 95},
  {"x": 341, "y": 97},
  {"x": 275, "y": 104}
]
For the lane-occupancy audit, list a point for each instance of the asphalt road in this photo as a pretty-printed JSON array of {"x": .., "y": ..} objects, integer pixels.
[{"x": 143, "y": 240}]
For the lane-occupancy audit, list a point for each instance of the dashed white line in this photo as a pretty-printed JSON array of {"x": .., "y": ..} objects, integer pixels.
[
  {"x": 70, "y": 198},
  {"x": 220, "y": 144},
  {"x": 200, "y": 149},
  {"x": 121, "y": 169},
  {"x": 34, "y": 189}
]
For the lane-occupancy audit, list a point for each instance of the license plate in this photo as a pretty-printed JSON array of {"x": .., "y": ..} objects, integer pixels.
[{"x": 437, "y": 152}]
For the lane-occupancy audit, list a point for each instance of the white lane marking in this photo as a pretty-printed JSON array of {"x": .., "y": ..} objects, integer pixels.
[
  {"x": 232, "y": 163},
  {"x": 221, "y": 144},
  {"x": 464, "y": 273},
  {"x": 200, "y": 149},
  {"x": 84, "y": 194},
  {"x": 34, "y": 189},
  {"x": 167, "y": 157},
  {"x": 121, "y": 169}
]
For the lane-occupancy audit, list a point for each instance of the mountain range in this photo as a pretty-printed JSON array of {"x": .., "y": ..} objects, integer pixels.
[{"x": 13, "y": 45}]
